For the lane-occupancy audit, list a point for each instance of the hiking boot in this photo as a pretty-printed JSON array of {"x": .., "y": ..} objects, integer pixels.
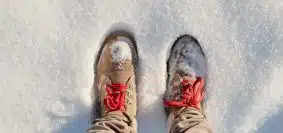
[
  {"x": 186, "y": 75},
  {"x": 115, "y": 75}
]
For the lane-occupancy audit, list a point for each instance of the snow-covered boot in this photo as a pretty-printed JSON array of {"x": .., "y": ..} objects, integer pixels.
[
  {"x": 186, "y": 75},
  {"x": 115, "y": 76}
]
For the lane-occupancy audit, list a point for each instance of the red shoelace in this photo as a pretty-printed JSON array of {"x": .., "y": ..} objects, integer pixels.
[
  {"x": 192, "y": 94},
  {"x": 115, "y": 99}
]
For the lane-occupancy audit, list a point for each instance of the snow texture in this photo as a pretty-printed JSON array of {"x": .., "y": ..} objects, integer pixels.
[
  {"x": 120, "y": 51},
  {"x": 48, "y": 48}
]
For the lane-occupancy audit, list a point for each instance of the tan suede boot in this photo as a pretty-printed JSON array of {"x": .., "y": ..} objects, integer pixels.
[
  {"x": 186, "y": 75},
  {"x": 115, "y": 75}
]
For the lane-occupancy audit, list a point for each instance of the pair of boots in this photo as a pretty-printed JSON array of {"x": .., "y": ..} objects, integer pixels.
[{"x": 115, "y": 81}]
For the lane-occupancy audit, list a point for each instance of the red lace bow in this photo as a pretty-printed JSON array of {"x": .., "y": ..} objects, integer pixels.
[
  {"x": 115, "y": 99},
  {"x": 192, "y": 94}
]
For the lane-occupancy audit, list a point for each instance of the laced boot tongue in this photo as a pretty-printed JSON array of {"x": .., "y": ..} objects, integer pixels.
[
  {"x": 115, "y": 99},
  {"x": 191, "y": 93},
  {"x": 187, "y": 80}
]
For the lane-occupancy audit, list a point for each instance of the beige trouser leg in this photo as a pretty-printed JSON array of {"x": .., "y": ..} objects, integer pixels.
[
  {"x": 189, "y": 120},
  {"x": 113, "y": 122}
]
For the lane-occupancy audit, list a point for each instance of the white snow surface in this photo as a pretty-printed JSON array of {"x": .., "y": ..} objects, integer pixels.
[{"x": 48, "y": 48}]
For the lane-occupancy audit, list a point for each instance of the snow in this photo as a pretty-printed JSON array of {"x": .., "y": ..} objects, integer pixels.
[
  {"x": 120, "y": 51},
  {"x": 48, "y": 48}
]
